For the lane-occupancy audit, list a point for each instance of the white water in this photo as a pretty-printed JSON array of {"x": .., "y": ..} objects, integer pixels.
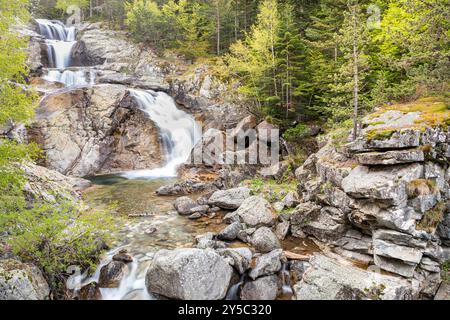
[
  {"x": 71, "y": 78},
  {"x": 178, "y": 130}
]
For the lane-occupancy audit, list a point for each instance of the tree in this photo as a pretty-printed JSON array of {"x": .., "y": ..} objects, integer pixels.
[{"x": 145, "y": 20}]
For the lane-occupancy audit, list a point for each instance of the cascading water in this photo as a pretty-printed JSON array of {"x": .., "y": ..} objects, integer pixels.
[
  {"x": 60, "y": 41},
  {"x": 179, "y": 132}
]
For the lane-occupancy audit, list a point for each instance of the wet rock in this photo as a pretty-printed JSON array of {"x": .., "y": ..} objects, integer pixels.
[
  {"x": 92, "y": 130},
  {"x": 230, "y": 199},
  {"x": 189, "y": 274},
  {"x": 123, "y": 256},
  {"x": 256, "y": 211},
  {"x": 112, "y": 274},
  {"x": 265, "y": 288},
  {"x": 297, "y": 269},
  {"x": 264, "y": 240},
  {"x": 241, "y": 258},
  {"x": 19, "y": 281},
  {"x": 282, "y": 229},
  {"x": 231, "y": 232},
  {"x": 329, "y": 279},
  {"x": 267, "y": 264},
  {"x": 203, "y": 209},
  {"x": 183, "y": 205},
  {"x": 195, "y": 216},
  {"x": 90, "y": 291}
]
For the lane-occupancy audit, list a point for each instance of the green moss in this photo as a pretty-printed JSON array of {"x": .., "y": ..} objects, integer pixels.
[
  {"x": 446, "y": 271},
  {"x": 382, "y": 134}
]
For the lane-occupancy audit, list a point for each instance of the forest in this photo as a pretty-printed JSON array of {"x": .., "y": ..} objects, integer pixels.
[{"x": 297, "y": 60}]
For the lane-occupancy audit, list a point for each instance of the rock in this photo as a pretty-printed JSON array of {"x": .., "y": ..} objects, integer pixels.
[
  {"x": 267, "y": 264},
  {"x": 208, "y": 150},
  {"x": 230, "y": 199},
  {"x": 443, "y": 292},
  {"x": 90, "y": 291},
  {"x": 244, "y": 235},
  {"x": 282, "y": 229},
  {"x": 195, "y": 216},
  {"x": 384, "y": 184},
  {"x": 183, "y": 205},
  {"x": 391, "y": 157},
  {"x": 231, "y": 217},
  {"x": 265, "y": 130},
  {"x": 189, "y": 274},
  {"x": 304, "y": 212},
  {"x": 20, "y": 281},
  {"x": 245, "y": 124},
  {"x": 330, "y": 224},
  {"x": 264, "y": 240},
  {"x": 443, "y": 229},
  {"x": 207, "y": 240},
  {"x": 112, "y": 274},
  {"x": 256, "y": 211},
  {"x": 278, "y": 206},
  {"x": 265, "y": 288},
  {"x": 48, "y": 185},
  {"x": 203, "y": 209},
  {"x": 95, "y": 130},
  {"x": 297, "y": 269},
  {"x": 395, "y": 256},
  {"x": 241, "y": 258},
  {"x": 123, "y": 256},
  {"x": 291, "y": 200},
  {"x": 231, "y": 232},
  {"x": 328, "y": 279}
]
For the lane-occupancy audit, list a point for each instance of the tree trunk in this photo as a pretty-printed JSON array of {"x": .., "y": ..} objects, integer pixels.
[
  {"x": 218, "y": 26},
  {"x": 355, "y": 76}
]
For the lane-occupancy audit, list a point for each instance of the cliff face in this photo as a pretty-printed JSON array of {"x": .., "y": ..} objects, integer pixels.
[{"x": 383, "y": 199}]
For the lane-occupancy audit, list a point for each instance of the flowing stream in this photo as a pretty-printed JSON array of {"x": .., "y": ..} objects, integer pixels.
[{"x": 147, "y": 223}]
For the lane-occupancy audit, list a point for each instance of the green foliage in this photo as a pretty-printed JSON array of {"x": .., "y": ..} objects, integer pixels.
[
  {"x": 54, "y": 237},
  {"x": 145, "y": 20},
  {"x": 300, "y": 131},
  {"x": 64, "y": 4}
]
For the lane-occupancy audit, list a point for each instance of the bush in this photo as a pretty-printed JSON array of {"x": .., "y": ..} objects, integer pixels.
[{"x": 300, "y": 131}]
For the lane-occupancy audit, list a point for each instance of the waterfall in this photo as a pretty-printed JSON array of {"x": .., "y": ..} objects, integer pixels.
[
  {"x": 178, "y": 130},
  {"x": 60, "y": 41}
]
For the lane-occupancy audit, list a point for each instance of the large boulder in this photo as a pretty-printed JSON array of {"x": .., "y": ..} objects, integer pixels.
[
  {"x": 264, "y": 240},
  {"x": 391, "y": 157},
  {"x": 256, "y": 211},
  {"x": 20, "y": 281},
  {"x": 329, "y": 279},
  {"x": 384, "y": 184},
  {"x": 241, "y": 257},
  {"x": 267, "y": 264},
  {"x": 189, "y": 274},
  {"x": 99, "y": 129},
  {"x": 265, "y": 288},
  {"x": 230, "y": 199}
]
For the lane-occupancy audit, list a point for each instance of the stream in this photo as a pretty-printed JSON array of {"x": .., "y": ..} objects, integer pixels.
[{"x": 147, "y": 222}]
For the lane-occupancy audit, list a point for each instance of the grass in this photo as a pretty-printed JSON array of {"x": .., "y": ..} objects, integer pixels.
[
  {"x": 432, "y": 218},
  {"x": 271, "y": 189}
]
